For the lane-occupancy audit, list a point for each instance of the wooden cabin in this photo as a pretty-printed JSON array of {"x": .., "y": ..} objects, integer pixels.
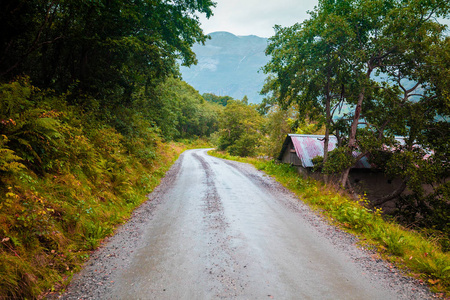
[{"x": 300, "y": 149}]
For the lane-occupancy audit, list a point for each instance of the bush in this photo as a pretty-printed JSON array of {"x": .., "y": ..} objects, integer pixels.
[
  {"x": 239, "y": 129},
  {"x": 65, "y": 186}
]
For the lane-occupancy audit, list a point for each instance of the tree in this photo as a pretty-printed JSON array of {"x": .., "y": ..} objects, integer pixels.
[
  {"x": 179, "y": 111},
  {"x": 339, "y": 51},
  {"x": 107, "y": 48},
  {"x": 386, "y": 61},
  {"x": 239, "y": 129},
  {"x": 222, "y": 100},
  {"x": 310, "y": 70},
  {"x": 388, "y": 39}
]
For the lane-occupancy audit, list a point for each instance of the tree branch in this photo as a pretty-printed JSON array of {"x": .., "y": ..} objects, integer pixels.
[
  {"x": 393, "y": 195},
  {"x": 34, "y": 45}
]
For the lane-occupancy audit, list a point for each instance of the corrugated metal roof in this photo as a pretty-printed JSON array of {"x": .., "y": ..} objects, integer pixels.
[{"x": 309, "y": 146}]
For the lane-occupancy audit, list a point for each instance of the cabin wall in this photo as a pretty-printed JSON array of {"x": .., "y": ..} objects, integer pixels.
[
  {"x": 290, "y": 156},
  {"x": 375, "y": 184},
  {"x": 371, "y": 183}
]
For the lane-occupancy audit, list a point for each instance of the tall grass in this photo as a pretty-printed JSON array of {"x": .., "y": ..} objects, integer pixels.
[
  {"x": 50, "y": 224},
  {"x": 68, "y": 176},
  {"x": 409, "y": 250}
]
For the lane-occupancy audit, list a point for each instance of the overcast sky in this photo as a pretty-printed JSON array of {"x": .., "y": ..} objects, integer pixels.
[{"x": 256, "y": 17}]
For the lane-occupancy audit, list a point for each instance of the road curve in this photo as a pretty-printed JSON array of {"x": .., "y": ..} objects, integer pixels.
[{"x": 216, "y": 229}]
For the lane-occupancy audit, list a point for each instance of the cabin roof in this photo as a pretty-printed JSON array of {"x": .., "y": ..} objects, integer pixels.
[{"x": 309, "y": 146}]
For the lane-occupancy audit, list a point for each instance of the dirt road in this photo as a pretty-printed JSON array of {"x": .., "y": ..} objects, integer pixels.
[{"x": 216, "y": 229}]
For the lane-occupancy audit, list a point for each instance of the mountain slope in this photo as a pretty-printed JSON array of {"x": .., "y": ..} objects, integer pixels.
[{"x": 229, "y": 65}]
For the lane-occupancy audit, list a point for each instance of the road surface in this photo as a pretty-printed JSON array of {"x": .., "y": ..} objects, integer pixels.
[{"x": 216, "y": 229}]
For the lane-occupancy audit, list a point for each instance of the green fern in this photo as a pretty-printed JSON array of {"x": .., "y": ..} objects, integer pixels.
[{"x": 9, "y": 161}]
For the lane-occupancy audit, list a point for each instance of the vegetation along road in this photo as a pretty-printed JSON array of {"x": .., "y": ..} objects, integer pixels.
[{"x": 217, "y": 229}]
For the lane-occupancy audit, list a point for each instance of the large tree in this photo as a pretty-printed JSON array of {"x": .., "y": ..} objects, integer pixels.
[
  {"x": 239, "y": 129},
  {"x": 386, "y": 60},
  {"x": 310, "y": 66},
  {"x": 105, "y": 47}
]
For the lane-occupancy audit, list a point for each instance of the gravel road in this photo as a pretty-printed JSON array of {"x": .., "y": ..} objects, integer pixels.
[{"x": 217, "y": 229}]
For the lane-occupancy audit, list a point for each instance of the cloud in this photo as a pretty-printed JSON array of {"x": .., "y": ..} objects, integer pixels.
[
  {"x": 208, "y": 64},
  {"x": 255, "y": 17}
]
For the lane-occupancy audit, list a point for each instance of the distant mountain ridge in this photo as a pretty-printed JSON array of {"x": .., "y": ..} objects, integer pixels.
[{"x": 229, "y": 65}]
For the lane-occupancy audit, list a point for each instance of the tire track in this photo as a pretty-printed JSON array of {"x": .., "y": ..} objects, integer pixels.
[{"x": 227, "y": 276}]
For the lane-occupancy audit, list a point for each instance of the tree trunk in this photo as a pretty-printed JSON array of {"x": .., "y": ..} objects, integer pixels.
[
  {"x": 325, "y": 151},
  {"x": 327, "y": 124},
  {"x": 344, "y": 177},
  {"x": 393, "y": 195},
  {"x": 327, "y": 133},
  {"x": 352, "y": 136}
]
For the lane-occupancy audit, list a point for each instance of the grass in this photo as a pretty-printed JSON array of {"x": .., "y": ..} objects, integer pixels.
[
  {"x": 410, "y": 251},
  {"x": 195, "y": 143},
  {"x": 50, "y": 224}
]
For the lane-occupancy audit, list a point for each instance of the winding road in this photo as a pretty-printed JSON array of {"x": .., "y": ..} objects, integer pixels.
[{"x": 217, "y": 229}]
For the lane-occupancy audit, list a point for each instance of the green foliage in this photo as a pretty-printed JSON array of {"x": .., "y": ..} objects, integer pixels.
[
  {"x": 197, "y": 118},
  {"x": 65, "y": 186},
  {"x": 9, "y": 162},
  {"x": 245, "y": 145},
  {"x": 222, "y": 100},
  {"x": 338, "y": 161},
  {"x": 179, "y": 111},
  {"x": 387, "y": 63},
  {"x": 108, "y": 48},
  {"x": 80, "y": 152},
  {"x": 278, "y": 123},
  {"x": 31, "y": 128},
  {"x": 239, "y": 131},
  {"x": 196, "y": 143}
]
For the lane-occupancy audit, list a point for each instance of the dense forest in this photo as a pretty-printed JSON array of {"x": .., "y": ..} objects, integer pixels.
[{"x": 92, "y": 104}]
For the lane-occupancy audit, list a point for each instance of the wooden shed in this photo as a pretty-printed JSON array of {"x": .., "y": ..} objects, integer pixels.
[{"x": 300, "y": 149}]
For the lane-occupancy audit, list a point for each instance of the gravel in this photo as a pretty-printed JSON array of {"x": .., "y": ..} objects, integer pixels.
[{"x": 97, "y": 278}]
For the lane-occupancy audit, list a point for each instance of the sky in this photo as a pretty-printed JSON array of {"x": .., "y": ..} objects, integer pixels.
[{"x": 256, "y": 17}]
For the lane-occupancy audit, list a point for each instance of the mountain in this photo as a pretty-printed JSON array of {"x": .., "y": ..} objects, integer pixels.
[{"x": 229, "y": 65}]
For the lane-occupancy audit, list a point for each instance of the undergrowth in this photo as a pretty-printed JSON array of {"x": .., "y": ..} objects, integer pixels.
[
  {"x": 409, "y": 250},
  {"x": 50, "y": 225},
  {"x": 196, "y": 143},
  {"x": 67, "y": 179}
]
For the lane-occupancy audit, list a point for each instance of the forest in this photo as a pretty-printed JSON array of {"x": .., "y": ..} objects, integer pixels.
[{"x": 93, "y": 111}]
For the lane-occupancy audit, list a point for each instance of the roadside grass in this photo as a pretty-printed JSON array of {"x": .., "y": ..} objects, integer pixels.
[
  {"x": 50, "y": 224},
  {"x": 195, "y": 143},
  {"x": 410, "y": 251},
  {"x": 69, "y": 175}
]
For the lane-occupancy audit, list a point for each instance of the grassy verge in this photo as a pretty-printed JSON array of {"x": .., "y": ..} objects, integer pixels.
[
  {"x": 195, "y": 143},
  {"x": 69, "y": 174},
  {"x": 51, "y": 223},
  {"x": 407, "y": 249}
]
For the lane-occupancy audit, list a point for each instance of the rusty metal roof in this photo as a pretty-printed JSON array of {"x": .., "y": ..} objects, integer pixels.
[{"x": 309, "y": 146}]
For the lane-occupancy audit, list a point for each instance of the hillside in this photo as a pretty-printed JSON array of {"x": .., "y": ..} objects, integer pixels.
[{"x": 229, "y": 65}]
